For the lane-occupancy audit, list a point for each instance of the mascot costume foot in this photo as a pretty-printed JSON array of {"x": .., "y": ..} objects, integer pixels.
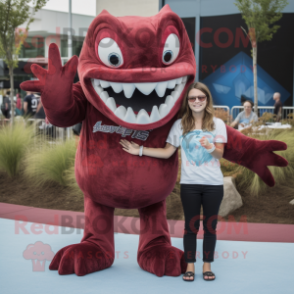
[{"x": 133, "y": 74}]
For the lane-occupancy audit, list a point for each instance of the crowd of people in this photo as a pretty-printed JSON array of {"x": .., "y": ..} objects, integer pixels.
[{"x": 30, "y": 106}]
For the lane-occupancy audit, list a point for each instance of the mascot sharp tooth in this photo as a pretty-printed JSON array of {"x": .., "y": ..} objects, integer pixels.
[
  {"x": 184, "y": 80},
  {"x": 104, "y": 96},
  {"x": 163, "y": 110},
  {"x": 129, "y": 90},
  {"x": 179, "y": 81},
  {"x": 99, "y": 90},
  {"x": 96, "y": 82},
  {"x": 120, "y": 112},
  {"x": 104, "y": 84},
  {"x": 117, "y": 87},
  {"x": 145, "y": 88},
  {"x": 143, "y": 117},
  {"x": 178, "y": 88},
  {"x": 130, "y": 116},
  {"x": 160, "y": 88},
  {"x": 175, "y": 94},
  {"x": 169, "y": 101},
  {"x": 171, "y": 84},
  {"x": 111, "y": 104},
  {"x": 155, "y": 116}
]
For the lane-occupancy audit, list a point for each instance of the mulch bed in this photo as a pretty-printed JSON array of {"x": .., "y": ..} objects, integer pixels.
[{"x": 270, "y": 207}]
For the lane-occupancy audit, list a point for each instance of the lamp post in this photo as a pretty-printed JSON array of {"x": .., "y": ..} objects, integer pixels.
[
  {"x": 69, "y": 50},
  {"x": 69, "y": 39}
]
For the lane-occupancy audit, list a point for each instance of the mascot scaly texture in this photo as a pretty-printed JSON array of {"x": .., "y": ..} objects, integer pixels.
[{"x": 133, "y": 74}]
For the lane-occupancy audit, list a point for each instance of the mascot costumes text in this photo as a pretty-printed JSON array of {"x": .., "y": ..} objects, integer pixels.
[{"x": 133, "y": 74}]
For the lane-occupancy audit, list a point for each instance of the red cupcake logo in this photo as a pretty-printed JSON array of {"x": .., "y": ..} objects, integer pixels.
[{"x": 38, "y": 253}]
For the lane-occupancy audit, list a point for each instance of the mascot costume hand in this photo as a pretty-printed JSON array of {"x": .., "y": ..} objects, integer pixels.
[{"x": 133, "y": 74}]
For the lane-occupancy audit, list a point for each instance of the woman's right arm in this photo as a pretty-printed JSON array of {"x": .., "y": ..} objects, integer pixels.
[
  {"x": 134, "y": 148},
  {"x": 165, "y": 152}
]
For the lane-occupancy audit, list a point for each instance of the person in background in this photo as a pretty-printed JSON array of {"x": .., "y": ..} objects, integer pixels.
[
  {"x": 18, "y": 106},
  {"x": 278, "y": 106},
  {"x": 40, "y": 113},
  {"x": 18, "y": 101},
  {"x": 30, "y": 104},
  {"x": 6, "y": 105},
  {"x": 245, "y": 117}
]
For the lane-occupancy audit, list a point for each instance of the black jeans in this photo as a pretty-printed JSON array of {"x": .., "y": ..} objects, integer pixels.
[{"x": 210, "y": 196}]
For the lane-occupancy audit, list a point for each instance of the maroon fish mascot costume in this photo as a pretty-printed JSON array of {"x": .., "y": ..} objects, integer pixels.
[{"x": 133, "y": 73}]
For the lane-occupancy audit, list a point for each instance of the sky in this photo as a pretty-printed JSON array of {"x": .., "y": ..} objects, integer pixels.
[{"x": 87, "y": 7}]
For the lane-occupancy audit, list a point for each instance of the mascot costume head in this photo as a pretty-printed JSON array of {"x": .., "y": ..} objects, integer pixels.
[{"x": 133, "y": 74}]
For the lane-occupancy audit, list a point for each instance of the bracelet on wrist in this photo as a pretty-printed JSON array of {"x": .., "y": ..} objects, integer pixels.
[
  {"x": 141, "y": 151},
  {"x": 211, "y": 149}
]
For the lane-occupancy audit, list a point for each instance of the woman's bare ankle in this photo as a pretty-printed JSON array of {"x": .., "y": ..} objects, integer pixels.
[
  {"x": 206, "y": 266},
  {"x": 190, "y": 267}
]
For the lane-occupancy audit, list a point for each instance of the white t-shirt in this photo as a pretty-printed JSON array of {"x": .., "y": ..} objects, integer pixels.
[{"x": 198, "y": 166}]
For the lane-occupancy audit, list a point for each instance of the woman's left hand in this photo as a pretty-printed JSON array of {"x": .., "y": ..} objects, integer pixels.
[{"x": 205, "y": 143}]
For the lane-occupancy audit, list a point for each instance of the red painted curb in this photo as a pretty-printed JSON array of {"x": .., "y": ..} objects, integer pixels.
[{"x": 234, "y": 231}]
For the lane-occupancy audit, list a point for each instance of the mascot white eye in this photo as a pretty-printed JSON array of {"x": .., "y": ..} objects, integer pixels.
[
  {"x": 171, "y": 49},
  {"x": 109, "y": 53}
]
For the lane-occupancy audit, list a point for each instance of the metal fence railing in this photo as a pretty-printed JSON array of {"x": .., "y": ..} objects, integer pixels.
[
  {"x": 49, "y": 132},
  {"x": 46, "y": 131},
  {"x": 223, "y": 112}
]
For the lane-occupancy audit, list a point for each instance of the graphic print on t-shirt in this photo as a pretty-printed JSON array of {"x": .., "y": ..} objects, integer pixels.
[
  {"x": 195, "y": 153},
  {"x": 197, "y": 165}
]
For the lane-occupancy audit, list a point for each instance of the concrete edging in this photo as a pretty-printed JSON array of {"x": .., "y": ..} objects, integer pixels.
[{"x": 234, "y": 231}]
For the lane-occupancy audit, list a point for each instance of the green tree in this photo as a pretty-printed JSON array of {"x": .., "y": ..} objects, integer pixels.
[
  {"x": 14, "y": 13},
  {"x": 260, "y": 16}
]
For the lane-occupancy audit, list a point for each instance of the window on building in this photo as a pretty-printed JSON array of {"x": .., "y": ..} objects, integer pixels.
[
  {"x": 77, "y": 44},
  {"x": 33, "y": 47}
]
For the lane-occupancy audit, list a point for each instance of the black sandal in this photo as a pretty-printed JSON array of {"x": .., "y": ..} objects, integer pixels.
[
  {"x": 188, "y": 275},
  {"x": 208, "y": 274}
]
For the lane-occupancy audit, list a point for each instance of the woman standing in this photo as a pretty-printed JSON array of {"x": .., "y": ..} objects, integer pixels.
[
  {"x": 18, "y": 108},
  {"x": 201, "y": 137}
]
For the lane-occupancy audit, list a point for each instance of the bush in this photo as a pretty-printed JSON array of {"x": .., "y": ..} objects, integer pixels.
[
  {"x": 267, "y": 117},
  {"x": 14, "y": 142},
  {"x": 50, "y": 163},
  {"x": 71, "y": 181},
  {"x": 222, "y": 114},
  {"x": 228, "y": 168},
  {"x": 289, "y": 120}
]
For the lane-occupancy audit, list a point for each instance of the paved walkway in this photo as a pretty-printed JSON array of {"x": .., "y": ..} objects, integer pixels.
[{"x": 240, "y": 266}]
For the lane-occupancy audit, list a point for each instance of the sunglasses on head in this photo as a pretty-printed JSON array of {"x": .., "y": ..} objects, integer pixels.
[{"x": 200, "y": 98}]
